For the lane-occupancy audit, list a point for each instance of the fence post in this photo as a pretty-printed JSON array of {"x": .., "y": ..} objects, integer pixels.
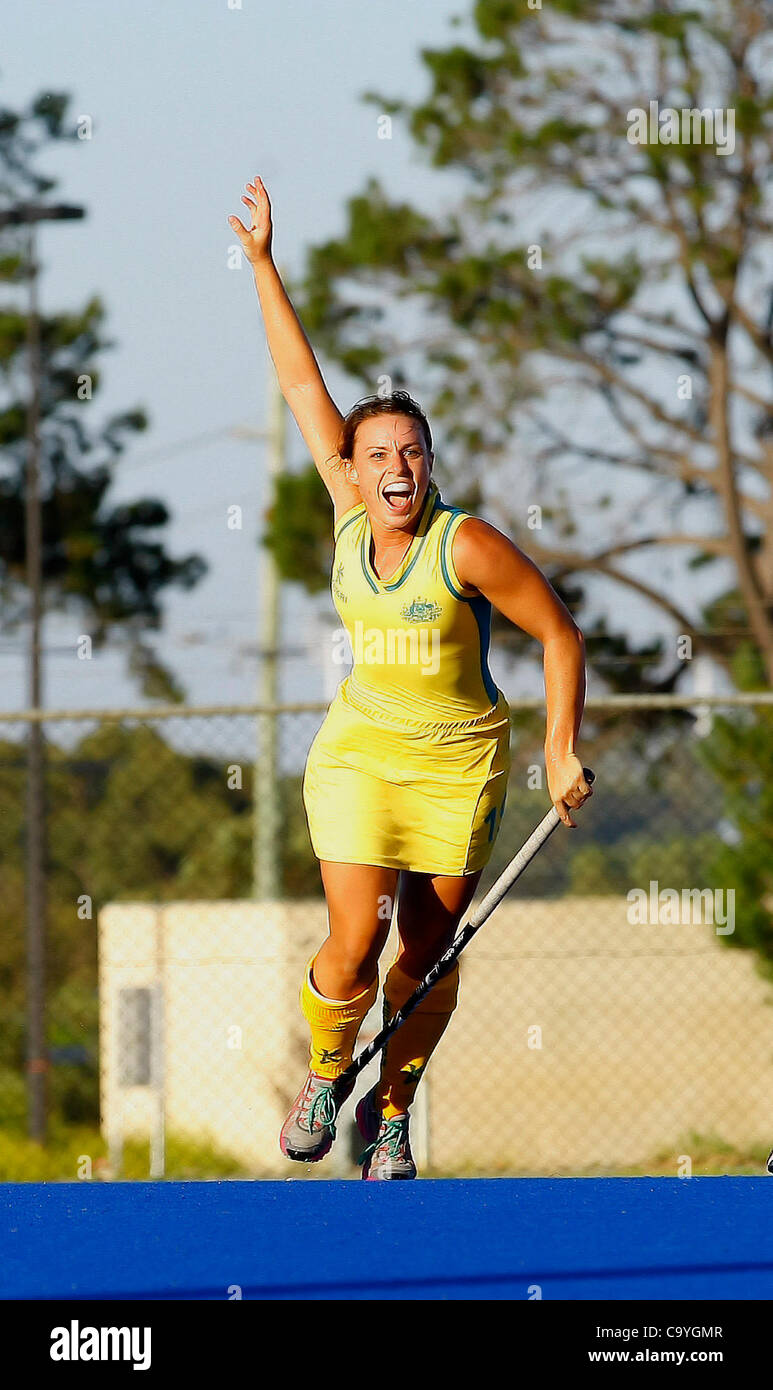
[
  {"x": 157, "y": 1076},
  {"x": 158, "y": 1082}
]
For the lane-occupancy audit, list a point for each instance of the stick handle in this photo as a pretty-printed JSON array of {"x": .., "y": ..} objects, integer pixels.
[{"x": 465, "y": 934}]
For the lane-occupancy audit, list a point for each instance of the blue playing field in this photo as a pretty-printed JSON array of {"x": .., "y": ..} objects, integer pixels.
[{"x": 566, "y": 1238}]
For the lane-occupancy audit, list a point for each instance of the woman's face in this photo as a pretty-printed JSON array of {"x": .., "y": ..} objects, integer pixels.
[{"x": 391, "y": 466}]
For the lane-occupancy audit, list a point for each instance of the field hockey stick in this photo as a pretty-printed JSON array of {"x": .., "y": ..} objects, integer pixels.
[{"x": 465, "y": 934}]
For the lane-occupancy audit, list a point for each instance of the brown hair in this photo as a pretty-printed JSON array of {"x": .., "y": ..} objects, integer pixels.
[{"x": 398, "y": 403}]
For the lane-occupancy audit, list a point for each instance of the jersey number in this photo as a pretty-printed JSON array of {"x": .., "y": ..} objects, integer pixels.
[{"x": 491, "y": 819}]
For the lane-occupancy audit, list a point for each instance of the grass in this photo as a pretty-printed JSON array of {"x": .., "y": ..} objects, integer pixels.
[
  {"x": 710, "y": 1156},
  {"x": 79, "y": 1153}
]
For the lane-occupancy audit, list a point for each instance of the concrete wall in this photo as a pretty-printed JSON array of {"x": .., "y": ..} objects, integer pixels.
[{"x": 579, "y": 1039}]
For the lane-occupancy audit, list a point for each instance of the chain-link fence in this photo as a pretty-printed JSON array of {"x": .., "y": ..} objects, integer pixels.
[{"x": 614, "y": 1015}]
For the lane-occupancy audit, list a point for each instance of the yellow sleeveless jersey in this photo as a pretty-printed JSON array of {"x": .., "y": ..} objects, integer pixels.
[
  {"x": 419, "y": 639},
  {"x": 409, "y": 767}
]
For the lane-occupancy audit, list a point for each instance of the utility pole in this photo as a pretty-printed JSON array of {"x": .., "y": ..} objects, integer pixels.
[
  {"x": 266, "y": 810},
  {"x": 266, "y": 857},
  {"x": 27, "y": 214},
  {"x": 37, "y": 1052}
]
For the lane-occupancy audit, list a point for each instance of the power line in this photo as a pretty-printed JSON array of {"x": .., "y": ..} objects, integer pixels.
[{"x": 195, "y": 441}]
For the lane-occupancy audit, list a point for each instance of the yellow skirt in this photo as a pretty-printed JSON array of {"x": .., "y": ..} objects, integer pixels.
[{"x": 406, "y": 795}]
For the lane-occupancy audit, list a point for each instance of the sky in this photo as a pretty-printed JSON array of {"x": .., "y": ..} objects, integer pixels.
[{"x": 187, "y": 101}]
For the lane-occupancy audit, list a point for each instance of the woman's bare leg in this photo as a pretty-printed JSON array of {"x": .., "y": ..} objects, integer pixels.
[
  {"x": 359, "y": 903},
  {"x": 429, "y": 910},
  {"x": 340, "y": 985}
]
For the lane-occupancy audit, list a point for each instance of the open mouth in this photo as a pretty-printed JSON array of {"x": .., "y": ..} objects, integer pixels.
[{"x": 399, "y": 496}]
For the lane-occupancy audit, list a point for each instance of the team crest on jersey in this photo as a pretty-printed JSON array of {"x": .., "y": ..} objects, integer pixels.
[
  {"x": 337, "y": 577},
  {"x": 421, "y": 610}
]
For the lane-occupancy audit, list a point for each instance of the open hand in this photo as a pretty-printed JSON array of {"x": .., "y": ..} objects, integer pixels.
[{"x": 255, "y": 239}]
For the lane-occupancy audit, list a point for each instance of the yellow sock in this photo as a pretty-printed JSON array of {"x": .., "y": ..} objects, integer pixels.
[
  {"x": 334, "y": 1025},
  {"x": 408, "y": 1051}
]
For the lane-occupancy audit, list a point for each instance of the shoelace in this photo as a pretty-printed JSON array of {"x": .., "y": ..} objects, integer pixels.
[
  {"x": 321, "y": 1108},
  {"x": 391, "y": 1135}
]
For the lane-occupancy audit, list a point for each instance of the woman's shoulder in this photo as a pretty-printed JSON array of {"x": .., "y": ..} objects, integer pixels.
[
  {"x": 482, "y": 553},
  {"x": 462, "y": 527}
]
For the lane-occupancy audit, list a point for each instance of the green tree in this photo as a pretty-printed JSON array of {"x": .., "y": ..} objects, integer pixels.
[
  {"x": 105, "y": 562},
  {"x": 740, "y": 754},
  {"x": 136, "y": 820},
  {"x": 590, "y": 323}
]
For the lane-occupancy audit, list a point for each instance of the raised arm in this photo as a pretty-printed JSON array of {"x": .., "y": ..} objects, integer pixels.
[
  {"x": 300, "y": 379},
  {"x": 486, "y": 560}
]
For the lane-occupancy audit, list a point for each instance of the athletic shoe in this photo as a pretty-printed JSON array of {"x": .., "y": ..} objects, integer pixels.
[
  {"x": 367, "y": 1116},
  {"x": 389, "y": 1157},
  {"x": 309, "y": 1130},
  {"x": 770, "y": 1162}
]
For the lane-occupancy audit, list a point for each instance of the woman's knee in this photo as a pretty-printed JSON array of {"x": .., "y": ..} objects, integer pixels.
[
  {"x": 359, "y": 902},
  {"x": 348, "y": 963},
  {"x": 417, "y": 956},
  {"x": 427, "y": 922},
  {"x": 356, "y": 965}
]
